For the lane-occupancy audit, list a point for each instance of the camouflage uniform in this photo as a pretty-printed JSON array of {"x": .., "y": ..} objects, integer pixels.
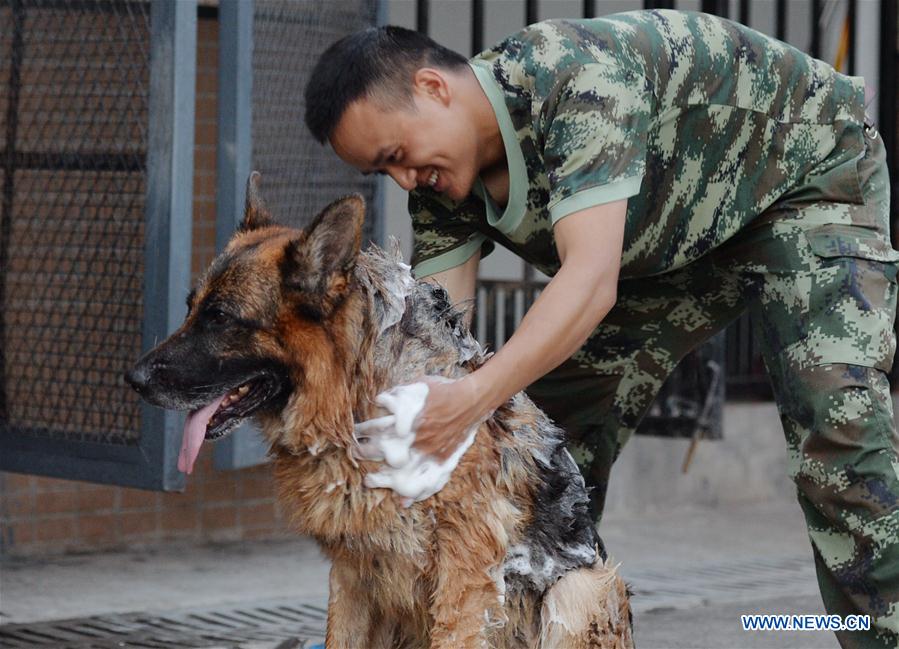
[{"x": 752, "y": 183}]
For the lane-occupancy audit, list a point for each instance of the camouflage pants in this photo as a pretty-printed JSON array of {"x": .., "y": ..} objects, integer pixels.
[{"x": 818, "y": 275}]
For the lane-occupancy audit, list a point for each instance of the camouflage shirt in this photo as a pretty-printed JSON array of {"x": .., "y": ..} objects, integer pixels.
[{"x": 701, "y": 123}]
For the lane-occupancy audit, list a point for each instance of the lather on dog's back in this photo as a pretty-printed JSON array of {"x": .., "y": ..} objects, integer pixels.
[{"x": 301, "y": 330}]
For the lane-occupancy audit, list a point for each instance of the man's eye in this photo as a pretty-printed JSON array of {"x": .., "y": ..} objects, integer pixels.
[{"x": 394, "y": 157}]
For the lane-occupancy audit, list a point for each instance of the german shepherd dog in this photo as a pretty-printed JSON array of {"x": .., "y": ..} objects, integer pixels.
[{"x": 300, "y": 330}]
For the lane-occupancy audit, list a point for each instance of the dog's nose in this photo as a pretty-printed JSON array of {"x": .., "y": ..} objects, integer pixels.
[{"x": 138, "y": 377}]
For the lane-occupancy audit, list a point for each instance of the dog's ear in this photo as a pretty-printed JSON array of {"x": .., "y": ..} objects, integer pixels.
[
  {"x": 319, "y": 263},
  {"x": 255, "y": 214}
]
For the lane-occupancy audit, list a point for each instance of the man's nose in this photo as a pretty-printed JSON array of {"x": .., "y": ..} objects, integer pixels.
[{"x": 404, "y": 177}]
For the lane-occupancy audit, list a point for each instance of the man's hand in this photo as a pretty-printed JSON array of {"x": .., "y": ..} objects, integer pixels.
[{"x": 450, "y": 411}]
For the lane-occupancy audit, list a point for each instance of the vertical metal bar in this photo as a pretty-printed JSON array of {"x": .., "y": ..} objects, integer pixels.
[
  {"x": 852, "y": 19},
  {"x": 744, "y": 12},
  {"x": 519, "y": 308},
  {"x": 481, "y": 314},
  {"x": 658, "y": 4},
  {"x": 167, "y": 245},
  {"x": 589, "y": 9},
  {"x": 713, "y": 7},
  {"x": 781, "y": 20},
  {"x": 9, "y": 173},
  {"x": 379, "y": 231},
  {"x": 477, "y": 26},
  {"x": 499, "y": 322},
  {"x": 531, "y": 12},
  {"x": 816, "y": 29},
  {"x": 422, "y": 11},
  {"x": 244, "y": 446},
  {"x": 235, "y": 115},
  {"x": 887, "y": 103}
]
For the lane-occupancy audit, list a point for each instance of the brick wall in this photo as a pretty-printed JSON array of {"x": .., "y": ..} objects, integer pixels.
[{"x": 48, "y": 516}]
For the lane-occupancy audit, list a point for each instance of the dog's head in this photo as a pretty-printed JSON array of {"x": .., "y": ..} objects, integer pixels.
[{"x": 266, "y": 326}]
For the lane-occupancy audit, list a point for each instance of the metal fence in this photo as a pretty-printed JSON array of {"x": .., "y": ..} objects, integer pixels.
[
  {"x": 88, "y": 241},
  {"x": 73, "y": 142},
  {"x": 300, "y": 176},
  {"x": 97, "y": 109}
]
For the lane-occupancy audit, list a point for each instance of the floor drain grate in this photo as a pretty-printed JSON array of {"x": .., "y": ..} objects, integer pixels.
[
  {"x": 283, "y": 624},
  {"x": 685, "y": 585},
  {"x": 272, "y": 625}
]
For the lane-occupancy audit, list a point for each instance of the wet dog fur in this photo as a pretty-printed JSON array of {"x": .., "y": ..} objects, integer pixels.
[{"x": 304, "y": 330}]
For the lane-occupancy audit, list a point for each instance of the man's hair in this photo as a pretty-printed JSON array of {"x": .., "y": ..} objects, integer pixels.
[{"x": 377, "y": 62}]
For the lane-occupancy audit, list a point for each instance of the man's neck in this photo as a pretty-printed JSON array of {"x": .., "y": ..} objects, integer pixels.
[{"x": 492, "y": 151}]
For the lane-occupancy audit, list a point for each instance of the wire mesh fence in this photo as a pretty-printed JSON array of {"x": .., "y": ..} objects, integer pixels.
[
  {"x": 300, "y": 176},
  {"x": 75, "y": 172},
  {"x": 74, "y": 80}
]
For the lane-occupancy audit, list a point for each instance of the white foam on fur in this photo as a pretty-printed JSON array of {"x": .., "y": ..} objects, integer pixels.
[
  {"x": 409, "y": 472},
  {"x": 397, "y": 286},
  {"x": 590, "y": 595}
]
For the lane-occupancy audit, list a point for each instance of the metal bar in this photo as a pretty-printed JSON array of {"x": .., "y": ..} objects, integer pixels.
[
  {"x": 244, "y": 446},
  {"x": 531, "y": 12},
  {"x": 98, "y": 6},
  {"x": 173, "y": 29},
  {"x": 235, "y": 115},
  {"x": 887, "y": 101},
  {"x": 379, "y": 231},
  {"x": 477, "y": 26},
  {"x": 744, "y": 12},
  {"x": 781, "y": 20},
  {"x": 481, "y": 314},
  {"x": 589, "y": 9},
  {"x": 815, "y": 48},
  {"x": 97, "y": 161},
  {"x": 658, "y": 4},
  {"x": 9, "y": 172},
  {"x": 717, "y": 7},
  {"x": 422, "y": 10},
  {"x": 852, "y": 19}
]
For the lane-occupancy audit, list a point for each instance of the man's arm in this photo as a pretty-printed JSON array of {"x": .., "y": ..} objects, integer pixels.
[
  {"x": 460, "y": 283},
  {"x": 569, "y": 308}
]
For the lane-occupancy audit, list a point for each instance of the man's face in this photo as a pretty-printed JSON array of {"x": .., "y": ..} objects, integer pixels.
[{"x": 427, "y": 143}]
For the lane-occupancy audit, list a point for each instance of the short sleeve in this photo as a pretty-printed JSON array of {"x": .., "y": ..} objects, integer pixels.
[
  {"x": 445, "y": 233},
  {"x": 594, "y": 128}
]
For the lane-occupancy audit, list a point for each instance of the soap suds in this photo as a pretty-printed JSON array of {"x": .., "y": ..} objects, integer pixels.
[{"x": 409, "y": 472}]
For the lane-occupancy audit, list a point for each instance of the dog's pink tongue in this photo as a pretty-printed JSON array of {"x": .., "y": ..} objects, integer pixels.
[{"x": 194, "y": 433}]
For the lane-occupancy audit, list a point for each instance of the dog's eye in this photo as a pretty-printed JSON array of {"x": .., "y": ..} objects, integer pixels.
[{"x": 215, "y": 315}]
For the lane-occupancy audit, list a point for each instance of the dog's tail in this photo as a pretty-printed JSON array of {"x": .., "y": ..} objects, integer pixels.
[{"x": 587, "y": 608}]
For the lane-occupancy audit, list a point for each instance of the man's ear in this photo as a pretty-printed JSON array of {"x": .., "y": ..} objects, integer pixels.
[
  {"x": 255, "y": 214},
  {"x": 432, "y": 83},
  {"x": 319, "y": 263}
]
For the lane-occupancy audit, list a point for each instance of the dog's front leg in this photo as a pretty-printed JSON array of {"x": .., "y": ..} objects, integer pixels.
[
  {"x": 466, "y": 598},
  {"x": 349, "y": 609}
]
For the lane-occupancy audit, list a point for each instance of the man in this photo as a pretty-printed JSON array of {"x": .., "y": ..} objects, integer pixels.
[{"x": 669, "y": 170}]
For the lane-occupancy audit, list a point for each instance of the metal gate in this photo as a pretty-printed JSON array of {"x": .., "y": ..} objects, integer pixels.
[
  {"x": 97, "y": 101},
  {"x": 89, "y": 251}
]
